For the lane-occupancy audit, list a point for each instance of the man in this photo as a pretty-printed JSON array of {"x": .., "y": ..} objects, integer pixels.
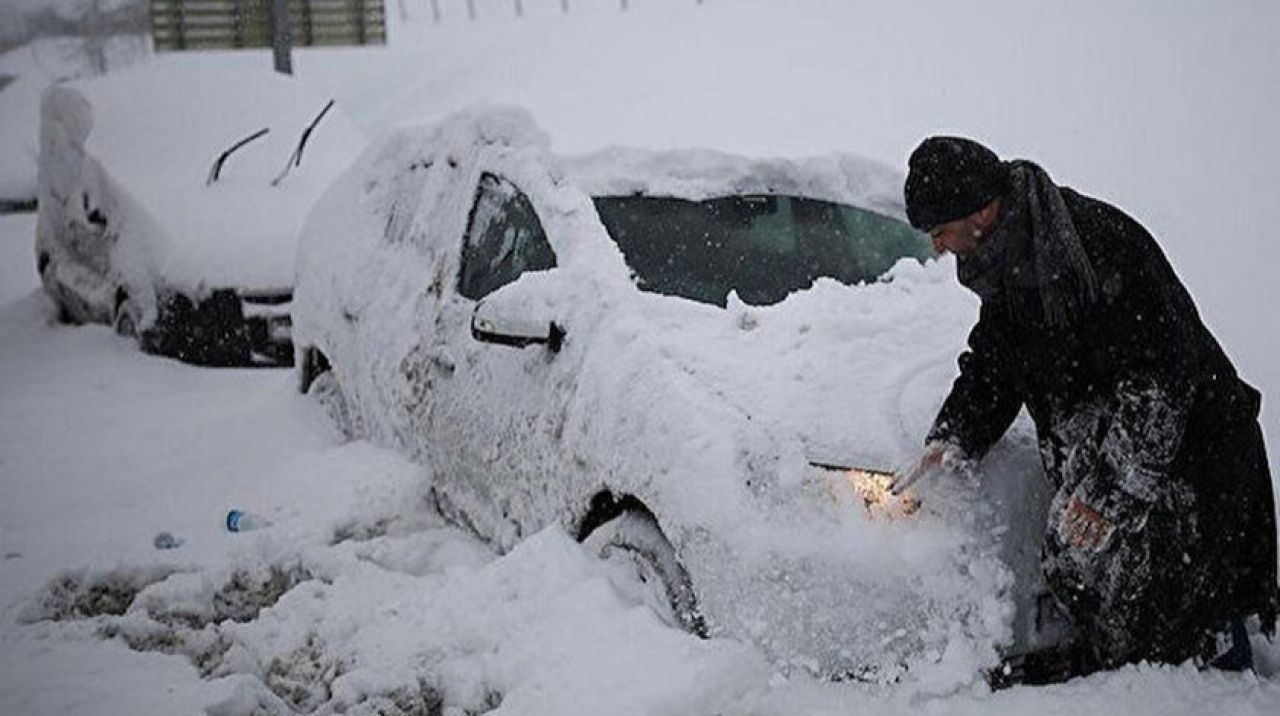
[{"x": 1161, "y": 537}]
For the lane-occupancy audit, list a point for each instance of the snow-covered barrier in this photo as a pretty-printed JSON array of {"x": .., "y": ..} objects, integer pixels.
[
  {"x": 149, "y": 240},
  {"x": 461, "y": 299}
]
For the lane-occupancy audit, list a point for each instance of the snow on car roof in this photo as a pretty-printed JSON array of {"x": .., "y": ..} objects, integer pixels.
[
  {"x": 701, "y": 174},
  {"x": 240, "y": 231}
]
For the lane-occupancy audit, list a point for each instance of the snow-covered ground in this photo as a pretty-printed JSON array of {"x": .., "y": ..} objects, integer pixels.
[{"x": 357, "y": 598}]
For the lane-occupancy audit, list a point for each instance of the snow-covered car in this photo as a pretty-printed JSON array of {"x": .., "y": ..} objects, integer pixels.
[
  {"x": 184, "y": 246},
  {"x": 658, "y": 351}
]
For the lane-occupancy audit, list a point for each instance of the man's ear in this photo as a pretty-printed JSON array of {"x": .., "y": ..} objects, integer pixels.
[{"x": 989, "y": 215}]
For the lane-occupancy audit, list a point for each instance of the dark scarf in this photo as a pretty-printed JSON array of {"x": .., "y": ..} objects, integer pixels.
[{"x": 1033, "y": 262}]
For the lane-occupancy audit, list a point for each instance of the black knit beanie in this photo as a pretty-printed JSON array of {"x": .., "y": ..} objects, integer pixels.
[{"x": 950, "y": 178}]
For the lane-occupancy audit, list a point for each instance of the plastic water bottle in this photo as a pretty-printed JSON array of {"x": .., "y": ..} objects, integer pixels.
[{"x": 242, "y": 521}]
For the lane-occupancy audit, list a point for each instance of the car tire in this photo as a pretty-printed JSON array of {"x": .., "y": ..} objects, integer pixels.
[
  {"x": 635, "y": 542},
  {"x": 125, "y": 320},
  {"x": 63, "y": 314},
  {"x": 312, "y": 365},
  {"x": 326, "y": 389},
  {"x": 54, "y": 289}
]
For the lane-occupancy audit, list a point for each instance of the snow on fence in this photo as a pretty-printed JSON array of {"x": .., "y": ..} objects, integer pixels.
[
  {"x": 231, "y": 24},
  {"x": 516, "y": 7}
]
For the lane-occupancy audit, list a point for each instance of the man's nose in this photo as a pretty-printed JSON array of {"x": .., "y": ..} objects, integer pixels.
[{"x": 937, "y": 244}]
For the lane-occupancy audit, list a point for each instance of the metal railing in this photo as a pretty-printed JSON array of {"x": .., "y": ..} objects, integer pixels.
[{"x": 231, "y": 24}]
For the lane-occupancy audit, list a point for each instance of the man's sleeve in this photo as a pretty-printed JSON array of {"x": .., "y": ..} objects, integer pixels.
[{"x": 983, "y": 401}]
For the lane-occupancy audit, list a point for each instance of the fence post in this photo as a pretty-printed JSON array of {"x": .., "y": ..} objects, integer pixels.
[
  {"x": 471, "y": 9},
  {"x": 435, "y": 11},
  {"x": 519, "y": 9},
  {"x": 95, "y": 40},
  {"x": 308, "y": 27},
  {"x": 237, "y": 23},
  {"x": 281, "y": 37},
  {"x": 179, "y": 11},
  {"x": 564, "y": 6}
]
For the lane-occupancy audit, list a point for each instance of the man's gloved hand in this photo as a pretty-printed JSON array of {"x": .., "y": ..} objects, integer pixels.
[
  {"x": 937, "y": 456},
  {"x": 1083, "y": 527}
]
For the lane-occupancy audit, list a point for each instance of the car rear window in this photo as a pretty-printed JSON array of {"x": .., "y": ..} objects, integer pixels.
[{"x": 762, "y": 246}]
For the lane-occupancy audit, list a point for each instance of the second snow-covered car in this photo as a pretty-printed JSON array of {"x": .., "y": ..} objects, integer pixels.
[
  {"x": 170, "y": 202},
  {"x": 653, "y": 350}
]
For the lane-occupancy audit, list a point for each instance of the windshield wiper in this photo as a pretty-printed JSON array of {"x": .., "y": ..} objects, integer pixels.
[
  {"x": 296, "y": 159},
  {"x": 216, "y": 170}
]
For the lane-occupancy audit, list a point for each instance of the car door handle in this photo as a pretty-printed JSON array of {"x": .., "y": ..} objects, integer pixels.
[
  {"x": 421, "y": 365},
  {"x": 442, "y": 362}
]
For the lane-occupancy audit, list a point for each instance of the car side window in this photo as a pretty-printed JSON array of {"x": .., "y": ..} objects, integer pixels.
[{"x": 503, "y": 239}]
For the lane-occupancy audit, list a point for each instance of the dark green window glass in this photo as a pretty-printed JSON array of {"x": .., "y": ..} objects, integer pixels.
[
  {"x": 763, "y": 246},
  {"x": 503, "y": 240}
]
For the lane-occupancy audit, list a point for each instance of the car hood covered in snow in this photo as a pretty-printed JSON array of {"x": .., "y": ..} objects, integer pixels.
[
  {"x": 855, "y": 373},
  {"x": 238, "y": 232}
]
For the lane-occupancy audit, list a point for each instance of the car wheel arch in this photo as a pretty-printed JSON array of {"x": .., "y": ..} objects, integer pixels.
[
  {"x": 605, "y": 506},
  {"x": 124, "y": 314},
  {"x": 651, "y": 544}
]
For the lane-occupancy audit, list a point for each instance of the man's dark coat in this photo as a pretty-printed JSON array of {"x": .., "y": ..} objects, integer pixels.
[{"x": 1136, "y": 392}]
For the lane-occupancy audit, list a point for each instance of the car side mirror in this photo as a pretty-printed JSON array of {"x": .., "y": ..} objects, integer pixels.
[{"x": 499, "y": 324}]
